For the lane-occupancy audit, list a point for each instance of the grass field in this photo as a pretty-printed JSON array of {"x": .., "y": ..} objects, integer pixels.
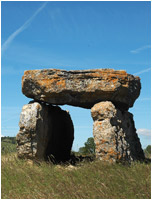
[
  {"x": 21, "y": 179},
  {"x": 8, "y": 145},
  {"x": 7, "y": 148}
]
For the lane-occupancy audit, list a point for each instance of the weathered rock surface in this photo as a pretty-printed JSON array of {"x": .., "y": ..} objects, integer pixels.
[
  {"x": 115, "y": 134},
  {"x": 44, "y": 130},
  {"x": 82, "y": 88}
]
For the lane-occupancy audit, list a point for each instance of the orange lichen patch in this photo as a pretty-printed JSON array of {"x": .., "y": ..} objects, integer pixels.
[
  {"x": 97, "y": 74},
  {"x": 46, "y": 82},
  {"x": 116, "y": 76},
  {"x": 114, "y": 81},
  {"x": 103, "y": 141},
  {"x": 27, "y": 72},
  {"x": 100, "y": 123},
  {"x": 123, "y": 72},
  {"x": 97, "y": 143},
  {"x": 30, "y": 72},
  {"x": 106, "y": 73},
  {"x": 111, "y": 151},
  {"x": 61, "y": 83}
]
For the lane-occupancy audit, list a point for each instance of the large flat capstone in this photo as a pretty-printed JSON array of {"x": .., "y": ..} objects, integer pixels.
[{"x": 82, "y": 88}]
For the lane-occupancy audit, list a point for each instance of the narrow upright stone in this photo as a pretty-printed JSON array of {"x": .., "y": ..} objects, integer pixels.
[
  {"x": 44, "y": 131},
  {"x": 115, "y": 134}
]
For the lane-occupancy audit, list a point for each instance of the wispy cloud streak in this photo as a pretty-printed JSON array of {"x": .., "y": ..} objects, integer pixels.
[
  {"x": 140, "y": 49},
  {"x": 145, "y": 132},
  {"x": 143, "y": 71},
  {"x": 23, "y": 27}
]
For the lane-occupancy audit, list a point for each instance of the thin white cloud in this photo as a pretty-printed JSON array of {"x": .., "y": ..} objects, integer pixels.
[
  {"x": 23, "y": 27},
  {"x": 145, "y": 132},
  {"x": 142, "y": 71},
  {"x": 140, "y": 49}
]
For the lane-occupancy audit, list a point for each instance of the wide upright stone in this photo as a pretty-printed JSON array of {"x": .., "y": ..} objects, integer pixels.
[
  {"x": 115, "y": 134},
  {"x": 82, "y": 88},
  {"x": 44, "y": 131}
]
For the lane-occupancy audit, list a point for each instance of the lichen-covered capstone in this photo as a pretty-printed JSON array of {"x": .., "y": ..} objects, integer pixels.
[
  {"x": 115, "y": 134},
  {"x": 82, "y": 88},
  {"x": 45, "y": 131}
]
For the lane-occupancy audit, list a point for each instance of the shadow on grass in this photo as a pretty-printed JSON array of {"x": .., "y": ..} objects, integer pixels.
[
  {"x": 79, "y": 159},
  {"x": 73, "y": 159}
]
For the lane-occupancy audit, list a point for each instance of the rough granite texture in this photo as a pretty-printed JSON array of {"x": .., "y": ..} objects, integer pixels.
[
  {"x": 82, "y": 88},
  {"x": 115, "y": 134},
  {"x": 44, "y": 130}
]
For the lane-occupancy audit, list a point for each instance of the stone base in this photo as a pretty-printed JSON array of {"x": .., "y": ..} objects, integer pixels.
[
  {"x": 115, "y": 134},
  {"x": 45, "y": 131}
]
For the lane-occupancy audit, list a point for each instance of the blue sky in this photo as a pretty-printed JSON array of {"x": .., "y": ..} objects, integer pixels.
[{"x": 73, "y": 36}]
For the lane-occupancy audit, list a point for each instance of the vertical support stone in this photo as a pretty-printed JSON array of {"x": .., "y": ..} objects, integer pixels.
[
  {"x": 44, "y": 130},
  {"x": 115, "y": 134}
]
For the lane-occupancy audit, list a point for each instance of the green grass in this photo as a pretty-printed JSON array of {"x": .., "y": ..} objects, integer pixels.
[
  {"x": 7, "y": 147},
  {"x": 88, "y": 180}
]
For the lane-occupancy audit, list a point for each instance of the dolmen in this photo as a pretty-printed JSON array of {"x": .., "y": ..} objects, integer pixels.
[{"x": 47, "y": 131}]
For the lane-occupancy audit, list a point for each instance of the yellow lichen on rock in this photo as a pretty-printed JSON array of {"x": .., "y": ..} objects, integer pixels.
[{"x": 82, "y": 88}]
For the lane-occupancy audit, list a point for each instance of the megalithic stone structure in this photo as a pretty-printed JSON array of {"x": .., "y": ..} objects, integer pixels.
[{"x": 46, "y": 130}]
